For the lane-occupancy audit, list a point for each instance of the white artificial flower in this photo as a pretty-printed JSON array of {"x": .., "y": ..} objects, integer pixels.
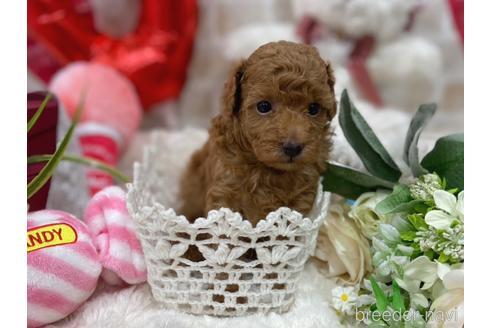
[
  {"x": 442, "y": 269},
  {"x": 423, "y": 270},
  {"x": 420, "y": 270},
  {"x": 451, "y": 301},
  {"x": 417, "y": 299},
  {"x": 344, "y": 299},
  {"x": 449, "y": 209},
  {"x": 364, "y": 215},
  {"x": 342, "y": 248}
]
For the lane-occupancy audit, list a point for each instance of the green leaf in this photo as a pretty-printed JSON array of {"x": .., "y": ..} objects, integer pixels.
[
  {"x": 408, "y": 235},
  {"x": 417, "y": 220},
  {"x": 397, "y": 300},
  {"x": 381, "y": 299},
  {"x": 416, "y": 250},
  {"x": 394, "y": 201},
  {"x": 443, "y": 258},
  {"x": 84, "y": 161},
  {"x": 410, "y": 207},
  {"x": 39, "y": 112},
  {"x": 350, "y": 183},
  {"x": 430, "y": 254},
  {"x": 453, "y": 191},
  {"x": 47, "y": 171},
  {"x": 365, "y": 143},
  {"x": 417, "y": 125},
  {"x": 447, "y": 160}
]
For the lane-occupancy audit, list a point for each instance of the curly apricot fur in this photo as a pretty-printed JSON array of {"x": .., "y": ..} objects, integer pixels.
[{"x": 242, "y": 165}]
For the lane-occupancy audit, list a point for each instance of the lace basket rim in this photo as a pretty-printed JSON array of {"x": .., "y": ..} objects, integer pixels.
[{"x": 233, "y": 218}]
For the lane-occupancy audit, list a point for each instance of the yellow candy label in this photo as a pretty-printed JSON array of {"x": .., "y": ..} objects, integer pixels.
[{"x": 50, "y": 235}]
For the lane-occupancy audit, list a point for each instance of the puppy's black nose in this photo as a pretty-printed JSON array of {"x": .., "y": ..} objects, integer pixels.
[{"x": 291, "y": 149}]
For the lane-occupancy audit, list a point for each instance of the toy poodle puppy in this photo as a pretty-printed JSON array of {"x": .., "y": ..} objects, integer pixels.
[{"x": 269, "y": 145}]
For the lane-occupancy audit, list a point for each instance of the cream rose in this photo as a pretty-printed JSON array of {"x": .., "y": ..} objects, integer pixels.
[
  {"x": 341, "y": 248},
  {"x": 364, "y": 215}
]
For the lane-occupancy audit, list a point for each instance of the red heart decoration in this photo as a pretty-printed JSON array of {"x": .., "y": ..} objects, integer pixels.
[{"x": 154, "y": 57}]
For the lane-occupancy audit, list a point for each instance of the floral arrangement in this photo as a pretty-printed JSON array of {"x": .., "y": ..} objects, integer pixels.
[{"x": 396, "y": 243}]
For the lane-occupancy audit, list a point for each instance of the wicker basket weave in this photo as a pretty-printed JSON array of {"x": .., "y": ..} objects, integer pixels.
[{"x": 244, "y": 269}]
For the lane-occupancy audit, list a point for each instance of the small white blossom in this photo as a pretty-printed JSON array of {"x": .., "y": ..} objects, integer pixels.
[
  {"x": 344, "y": 299},
  {"x": 445, "y": 234},
  {"x": 425, "y": 186},
  {"x": 449, "y": 209}
]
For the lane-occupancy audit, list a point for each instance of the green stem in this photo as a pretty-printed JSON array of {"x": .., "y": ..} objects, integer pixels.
[
  {"x": 38, "y": 113},
  {"x": 84, "y": 161},
  {"x": 47, "y": 171}
]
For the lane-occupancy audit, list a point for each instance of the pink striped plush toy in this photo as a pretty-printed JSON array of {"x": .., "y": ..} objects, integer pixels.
[
  {"x": 66, "y": 256},
  {"x": 110, "y": 117}
]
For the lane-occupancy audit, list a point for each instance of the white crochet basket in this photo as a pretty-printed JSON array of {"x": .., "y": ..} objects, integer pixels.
[{"x": 244, "y": 269}]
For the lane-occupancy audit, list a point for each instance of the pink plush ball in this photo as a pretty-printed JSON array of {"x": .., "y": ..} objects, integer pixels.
[
  {"x": 62, "y": 266},
  {"x": 111, "y": 99}
]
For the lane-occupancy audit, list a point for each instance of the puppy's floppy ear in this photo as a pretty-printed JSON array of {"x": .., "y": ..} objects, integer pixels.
[
  {"x": 331, "y": 83},
  {"x": 226, "y": 127},
  {"x": 232, "y": 97},
  {"x": 331, "y": 76}
]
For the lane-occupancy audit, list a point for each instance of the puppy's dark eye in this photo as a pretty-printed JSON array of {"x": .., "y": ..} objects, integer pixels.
[
  {"x": 313, "y": 109},
  {"x": 263, "y": 107}
]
